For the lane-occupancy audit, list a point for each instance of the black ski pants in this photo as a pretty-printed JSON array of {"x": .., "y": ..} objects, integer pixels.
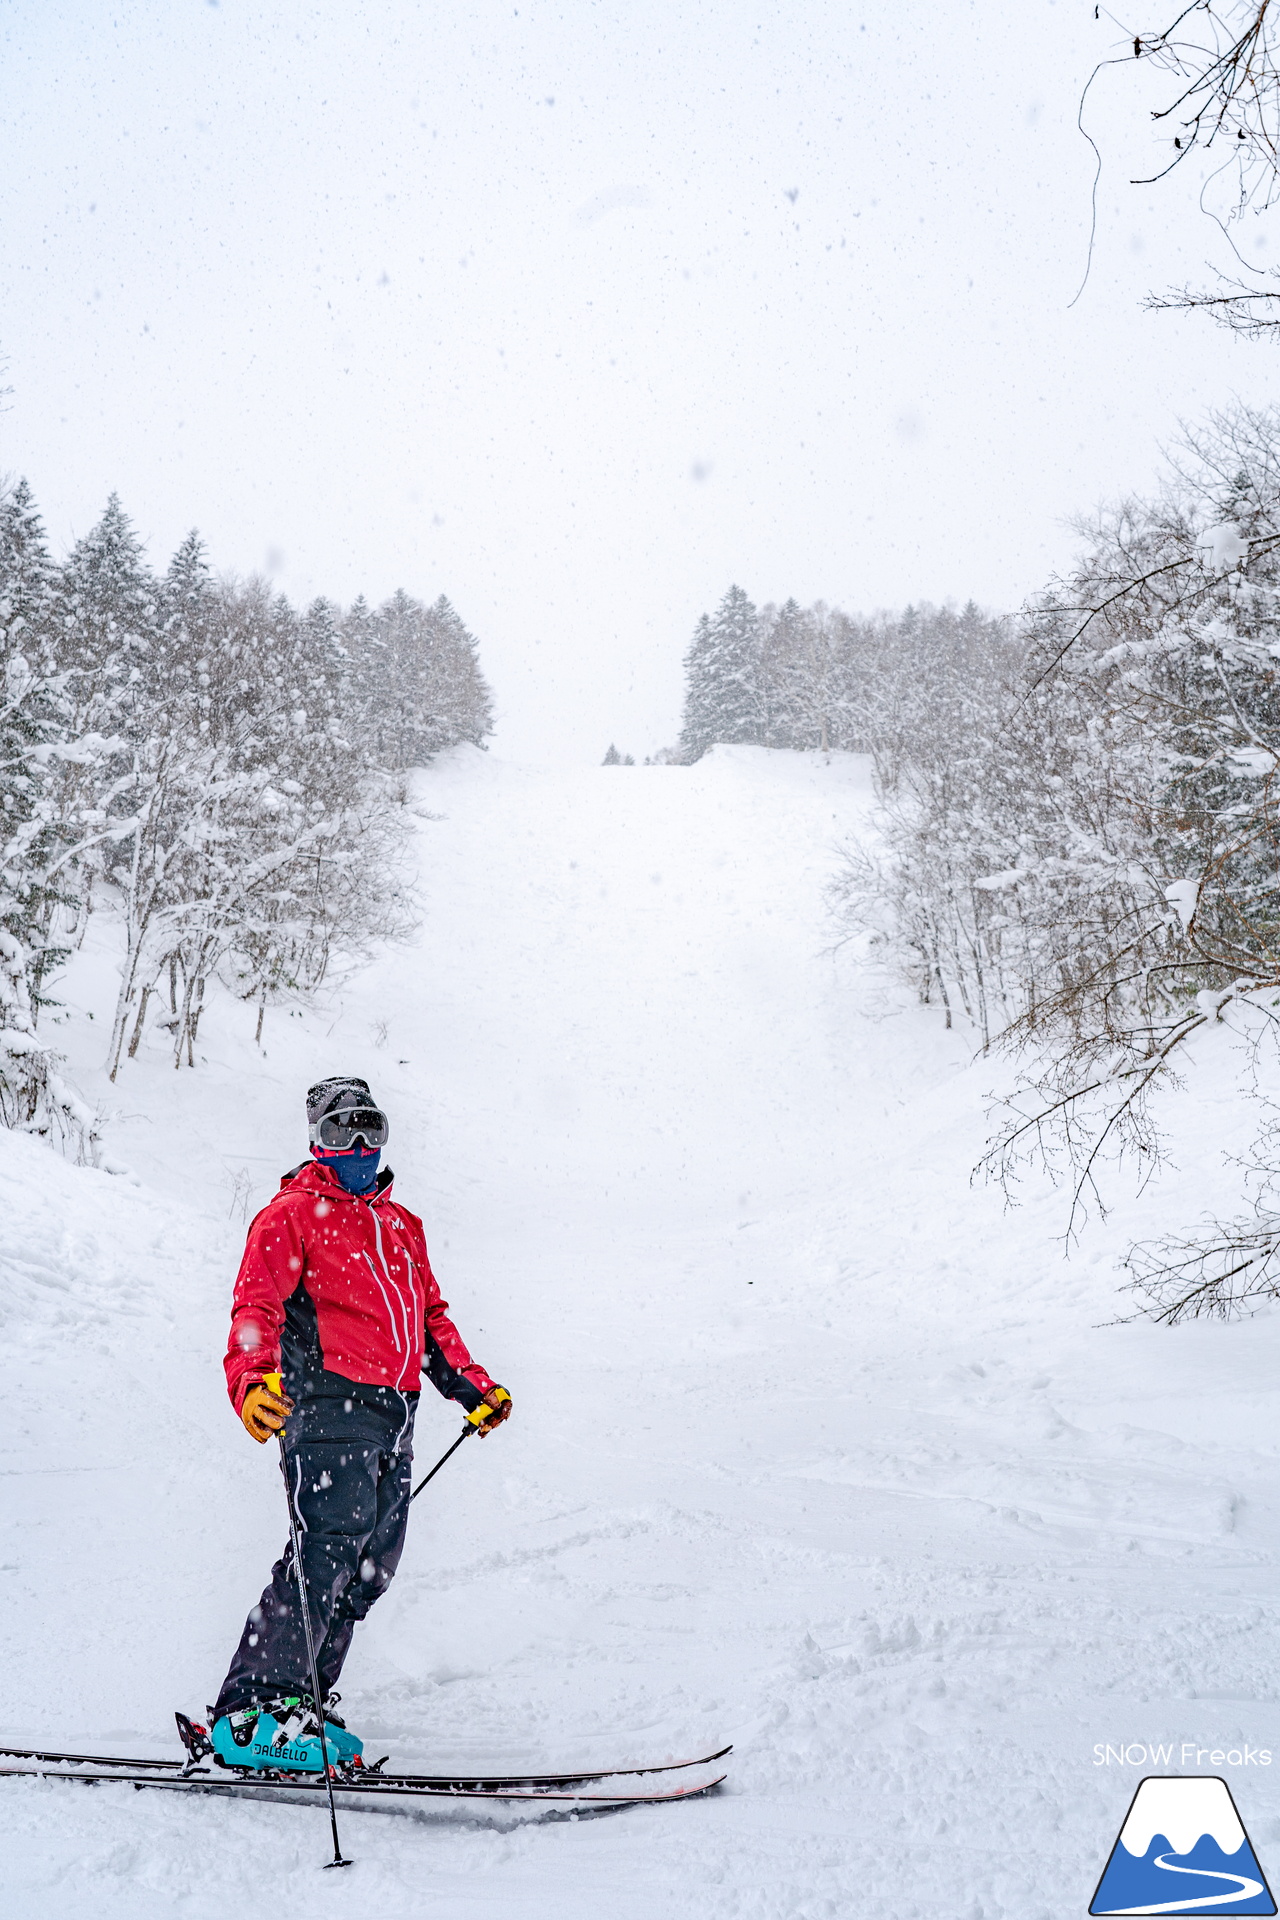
[{"x": 352, "y": 1502}]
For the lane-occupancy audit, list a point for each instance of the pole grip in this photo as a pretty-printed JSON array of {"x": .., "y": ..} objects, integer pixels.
[{"x": 478, "y": 1415}]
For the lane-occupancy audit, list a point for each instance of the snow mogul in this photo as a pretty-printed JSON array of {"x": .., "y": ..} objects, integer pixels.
[{"x": 336, "y": 1315}]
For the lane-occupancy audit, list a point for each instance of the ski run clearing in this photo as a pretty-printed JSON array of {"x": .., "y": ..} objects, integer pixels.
[{"x": 817, "y": 1447}]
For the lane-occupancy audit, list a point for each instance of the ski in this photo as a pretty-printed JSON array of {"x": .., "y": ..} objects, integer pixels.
[
  {"x": 488, "y": 1782},
  {"x": 371, "y": 1788},
  {"x": 433, "y": 1782}
]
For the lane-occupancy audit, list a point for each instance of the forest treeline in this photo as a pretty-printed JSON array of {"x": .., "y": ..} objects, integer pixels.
[
  {"x": 1079, "y": 811},
  {"x": 786, "y": 676},
  {"x": 223, "y": 771}
]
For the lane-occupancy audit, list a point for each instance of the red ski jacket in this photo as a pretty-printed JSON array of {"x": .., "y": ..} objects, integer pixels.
[{"x": 335, "y": 1282}]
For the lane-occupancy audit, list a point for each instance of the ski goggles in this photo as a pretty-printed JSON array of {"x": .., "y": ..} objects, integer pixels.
[{"x": 340, "y": 1130}]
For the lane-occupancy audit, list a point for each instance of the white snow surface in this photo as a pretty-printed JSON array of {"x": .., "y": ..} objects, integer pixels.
[
  {"x": 817, "y": 1447},
  {"x": 1183, "y": 1811}
]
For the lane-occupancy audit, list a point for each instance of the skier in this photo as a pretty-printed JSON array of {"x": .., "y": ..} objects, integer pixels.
[{"x": 336, "y": 1294}]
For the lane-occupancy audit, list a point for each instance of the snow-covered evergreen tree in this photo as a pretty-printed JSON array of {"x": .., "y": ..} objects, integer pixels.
[
  {"x": 457, "y": 690},
  {"x": 724, "y": 698},
  {"x": 105, "y": 623},
  {"x": 697, "y": 730},
  {"x": 35, "y": 833},
  {"x": 804, "y": 689},
  {"x": 414, "y": 676}
]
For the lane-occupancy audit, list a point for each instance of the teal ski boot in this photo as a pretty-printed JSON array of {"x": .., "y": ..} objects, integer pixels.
[{"x": 283, "y": 1737}]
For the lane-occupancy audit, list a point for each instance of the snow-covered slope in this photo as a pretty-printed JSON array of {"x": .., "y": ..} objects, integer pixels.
[{"x": 816, "y": 1448}]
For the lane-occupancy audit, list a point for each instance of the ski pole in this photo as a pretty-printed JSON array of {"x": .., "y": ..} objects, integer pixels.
[
  {"x": 472, "y": 1424},
  {"x": 274, "y": 1384},
  {"x": 469, "y": 1426}
]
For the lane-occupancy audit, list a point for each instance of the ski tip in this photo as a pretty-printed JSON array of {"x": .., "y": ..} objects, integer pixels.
[
  {"x": 660, "y": 1799},
  {"x": 677, "y": 1766},
  {"x": 690, "y": 1793},
  {"x": 663, "y": 1766}
]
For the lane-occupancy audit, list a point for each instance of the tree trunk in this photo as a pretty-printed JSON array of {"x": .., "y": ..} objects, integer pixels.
[{"x": 142, "y": 1014}]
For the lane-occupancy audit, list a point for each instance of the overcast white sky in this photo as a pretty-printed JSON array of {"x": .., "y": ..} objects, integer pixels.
[{"x": 579, "y": 312}]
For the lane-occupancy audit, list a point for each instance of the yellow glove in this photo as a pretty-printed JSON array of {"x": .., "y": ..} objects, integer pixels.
[
  {"x": 498, "y": 1403},
  {"x": 265, "y": 1412}
]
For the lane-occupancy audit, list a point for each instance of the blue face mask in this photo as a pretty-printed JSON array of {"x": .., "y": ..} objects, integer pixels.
[{"x": 357, "y": 1170}]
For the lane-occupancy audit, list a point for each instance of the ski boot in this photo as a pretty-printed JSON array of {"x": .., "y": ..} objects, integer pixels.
[{"x": 283, "y": 1737}]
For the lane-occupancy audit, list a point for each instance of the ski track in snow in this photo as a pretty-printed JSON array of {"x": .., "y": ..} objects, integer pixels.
[{"x": 816, "y": 1448}]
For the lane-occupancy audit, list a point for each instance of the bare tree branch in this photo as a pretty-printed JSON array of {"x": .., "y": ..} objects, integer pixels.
[
  {"x": 1230, "y": 85},
  {"x": 1236, "y": 310}
]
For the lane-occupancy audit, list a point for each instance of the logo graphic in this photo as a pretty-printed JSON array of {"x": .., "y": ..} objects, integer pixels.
[{"x": 1183, "y": 1850}]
